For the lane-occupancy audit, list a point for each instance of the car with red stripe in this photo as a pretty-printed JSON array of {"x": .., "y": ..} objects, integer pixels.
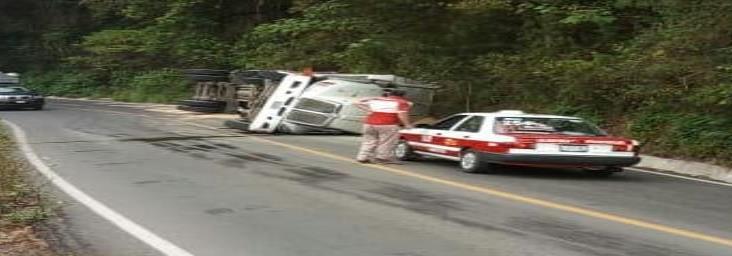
[{"x": 481, "y": 141}]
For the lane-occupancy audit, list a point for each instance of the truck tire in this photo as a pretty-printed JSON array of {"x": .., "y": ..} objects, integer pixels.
[
  {"x": 203, "y": 103},
  {"x": 202, "y": 109}
]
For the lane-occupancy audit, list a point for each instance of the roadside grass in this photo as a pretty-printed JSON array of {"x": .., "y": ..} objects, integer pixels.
[{"x": 22, "y": 205}]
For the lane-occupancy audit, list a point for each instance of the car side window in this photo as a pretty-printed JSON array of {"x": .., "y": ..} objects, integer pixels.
[
  {"x": 448, "y": 123},
  {"x": 473, "y": 124}
]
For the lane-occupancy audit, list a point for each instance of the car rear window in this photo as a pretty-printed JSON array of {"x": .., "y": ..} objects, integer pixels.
[
  {"x": 12, "y": 89},
  {"x": 543, "y": 125}
]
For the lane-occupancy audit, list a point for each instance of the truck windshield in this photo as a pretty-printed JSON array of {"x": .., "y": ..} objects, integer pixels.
[{"x": 540, "y": 125}]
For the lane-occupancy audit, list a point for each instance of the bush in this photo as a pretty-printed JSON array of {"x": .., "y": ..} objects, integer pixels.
[
  {"x": 63, "y": 83},
  {"x": 162, "y": 86},
  {"x": 21, "y": 203},
  {"x": 693, "y": 135}
]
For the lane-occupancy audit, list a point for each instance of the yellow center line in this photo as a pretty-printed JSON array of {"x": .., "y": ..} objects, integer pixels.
[
  {"x": 506, "y": 195},
  {"x": 519, "y": 198}
]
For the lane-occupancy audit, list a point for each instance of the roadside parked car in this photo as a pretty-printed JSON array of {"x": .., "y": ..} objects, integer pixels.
[
  {"x": 480, "y": 141},
  {"x": 9, "y": 79},
  {"x": 20, "y": 98}
]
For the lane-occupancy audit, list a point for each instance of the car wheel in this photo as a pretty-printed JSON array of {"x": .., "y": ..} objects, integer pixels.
[
  {"x": 404, "y": 152},
  {"x": 470, "y": 162}
]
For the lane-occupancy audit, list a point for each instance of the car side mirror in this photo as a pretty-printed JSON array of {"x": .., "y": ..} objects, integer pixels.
[{"x": 425, "y": 126}]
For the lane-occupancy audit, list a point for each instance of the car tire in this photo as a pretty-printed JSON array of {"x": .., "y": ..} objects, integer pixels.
[
  {"x": 470, "y": 162},
  {"x": 404, "y": 152}
]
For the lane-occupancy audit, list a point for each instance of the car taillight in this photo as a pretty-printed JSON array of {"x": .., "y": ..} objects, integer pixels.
[
  {"x": 523, "y": 145},
  {"x": 623, "y": 148}
]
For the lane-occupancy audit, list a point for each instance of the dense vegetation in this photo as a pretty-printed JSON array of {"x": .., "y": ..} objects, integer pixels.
[{"x": 659, "y": 70}]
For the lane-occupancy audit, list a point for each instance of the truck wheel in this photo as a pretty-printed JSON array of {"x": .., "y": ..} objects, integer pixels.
[
  {"x": 202, "y": 109},
  {"x": 203, "y": 103}
]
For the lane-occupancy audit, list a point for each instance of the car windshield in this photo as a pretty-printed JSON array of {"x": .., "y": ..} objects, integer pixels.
[
  {"x": 12, "y": 89},
  {"x": 542, "y": 125}
]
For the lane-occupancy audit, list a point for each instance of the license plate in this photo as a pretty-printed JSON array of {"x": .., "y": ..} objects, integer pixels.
[
  {"x": 573, "y": 148},
  {"x": 21, "y": 102}
]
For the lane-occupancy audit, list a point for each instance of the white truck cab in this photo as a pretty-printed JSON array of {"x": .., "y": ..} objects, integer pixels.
[{"x": 299, "y": 103}]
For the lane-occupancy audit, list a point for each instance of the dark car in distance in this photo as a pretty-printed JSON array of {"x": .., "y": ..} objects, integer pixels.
[{"x": 15, "y": 97}]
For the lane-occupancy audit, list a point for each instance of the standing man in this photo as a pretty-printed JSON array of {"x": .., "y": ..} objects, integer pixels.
[{"x": 381, "y": 127}]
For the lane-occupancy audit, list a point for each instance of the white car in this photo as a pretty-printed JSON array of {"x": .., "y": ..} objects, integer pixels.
[{"x": 479, "y": 141}]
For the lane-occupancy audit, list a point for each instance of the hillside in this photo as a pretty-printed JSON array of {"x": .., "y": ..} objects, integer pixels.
[{"x": 657, "y": 70}]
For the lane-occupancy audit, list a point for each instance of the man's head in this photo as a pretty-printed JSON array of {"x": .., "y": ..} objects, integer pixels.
[{"x": 394, "y": 92}]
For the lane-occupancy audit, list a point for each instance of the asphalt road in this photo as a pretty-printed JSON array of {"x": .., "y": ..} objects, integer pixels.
[{"x": 217, "y": 191}]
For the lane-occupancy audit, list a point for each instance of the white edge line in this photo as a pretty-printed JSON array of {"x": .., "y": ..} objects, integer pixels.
[
  {"x": 127, "y": 225},
  {"x": 680, "y": 177}
]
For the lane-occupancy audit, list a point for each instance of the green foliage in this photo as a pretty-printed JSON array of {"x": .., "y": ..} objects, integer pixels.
[
  {"x": 163, "y": 86},
  {"x": 21, "y": 202},
  {"x": 702, "y": 136},
  {"x": 659, "y": 70},
  {"x": 63, "y": 83}
]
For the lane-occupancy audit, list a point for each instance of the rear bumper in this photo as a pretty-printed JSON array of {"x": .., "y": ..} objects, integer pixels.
[{"x": 559, "y": 160}]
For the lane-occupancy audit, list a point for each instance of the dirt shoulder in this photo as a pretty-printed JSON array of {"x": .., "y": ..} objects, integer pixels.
[{"x": 24, "y": 209}]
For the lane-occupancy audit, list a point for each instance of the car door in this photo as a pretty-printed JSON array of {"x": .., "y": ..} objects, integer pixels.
[
  {"x": 465, "y": 134},
  {"x": 433, "y": 138}
]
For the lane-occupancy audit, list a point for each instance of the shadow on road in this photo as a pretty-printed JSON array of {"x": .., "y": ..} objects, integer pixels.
[{"x": 539, "y": 173}]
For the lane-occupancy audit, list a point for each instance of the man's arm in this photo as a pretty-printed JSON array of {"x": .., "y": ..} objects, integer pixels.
[{"x": 404, "y": 118}]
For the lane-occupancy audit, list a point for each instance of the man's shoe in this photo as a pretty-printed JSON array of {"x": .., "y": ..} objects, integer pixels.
[{"x": 363, "y": 161}]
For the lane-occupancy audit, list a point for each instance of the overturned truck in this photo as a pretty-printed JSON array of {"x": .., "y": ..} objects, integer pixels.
[{"x": 270, "y": 101}]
